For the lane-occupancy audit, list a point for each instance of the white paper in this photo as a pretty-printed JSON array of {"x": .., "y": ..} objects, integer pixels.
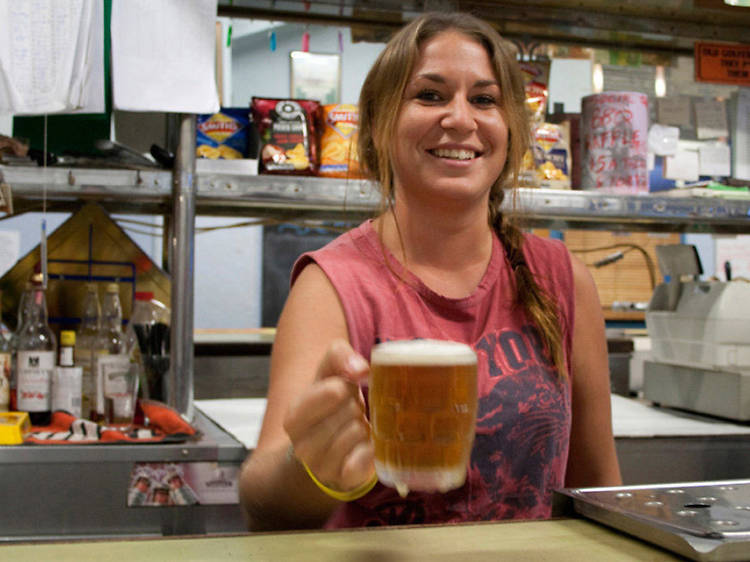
[
  {"x": 715, "y": 159},
  {"x": 674, "y": 111},
  {"x": 45, "y": 58},
  {"x": 741, "y": 136},
  {"x": 735, "y": 250},
  {"x": 163, "y": 55},
  {"x": 711, "y": 118},
  {"x": 10, "y": 246},
  {"x": 569, "y": 82},
  {"x": 92, "y": 83},
  {"x": 683, "y": 165}
]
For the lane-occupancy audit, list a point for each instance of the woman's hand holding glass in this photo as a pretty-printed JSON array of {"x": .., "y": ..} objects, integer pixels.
[{"x": 327, "y": 422}]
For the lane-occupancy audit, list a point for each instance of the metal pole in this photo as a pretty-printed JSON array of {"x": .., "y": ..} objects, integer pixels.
[{"x": 182, "y": 246}]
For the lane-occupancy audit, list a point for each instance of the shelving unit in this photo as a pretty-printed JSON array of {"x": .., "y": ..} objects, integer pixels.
[{"x": 296, "y": 197}]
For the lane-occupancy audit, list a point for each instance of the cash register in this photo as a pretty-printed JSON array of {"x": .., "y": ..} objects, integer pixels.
[{"x": 700, "y": 339}]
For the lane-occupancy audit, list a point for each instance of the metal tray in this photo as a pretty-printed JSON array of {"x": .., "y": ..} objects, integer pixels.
[{"x": 699, "y": 520}]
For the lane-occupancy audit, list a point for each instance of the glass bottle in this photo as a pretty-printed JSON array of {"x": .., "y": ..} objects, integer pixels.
[
  {"x": 5, "y": 360},
  {"x": 36, "y": 358},
  {"x": 87, "y": 347},
  {"x": 111, "y": 337},
  {"x": 23, "y": 304},
  {"x": 112, "y": 363},
  {"x": 67, "y": 378}
]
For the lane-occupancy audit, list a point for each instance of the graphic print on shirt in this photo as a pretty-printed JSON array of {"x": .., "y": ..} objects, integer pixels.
[{"x": 520, "y": 447}]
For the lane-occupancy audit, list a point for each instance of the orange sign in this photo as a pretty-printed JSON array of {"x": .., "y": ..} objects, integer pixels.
[{"x": 722, "y": 63}]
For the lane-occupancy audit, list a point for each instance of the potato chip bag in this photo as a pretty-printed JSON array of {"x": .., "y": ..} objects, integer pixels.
[
  {"x": 288, "y": 135},
  {"x": 552, "y": 158},
  {"x": 536, "y": 84},
  {"x": 223, "y": 135},
  {"x": 338, "y": 143}
]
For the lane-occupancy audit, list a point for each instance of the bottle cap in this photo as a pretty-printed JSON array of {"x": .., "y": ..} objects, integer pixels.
[
  {"x": 68, "y": 338},
  {"x": 144, "y": 295},
  {"x": 113, "y": 288}
]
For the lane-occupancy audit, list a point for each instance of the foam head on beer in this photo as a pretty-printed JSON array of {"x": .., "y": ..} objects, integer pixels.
[{"x": 423, "y": 402}]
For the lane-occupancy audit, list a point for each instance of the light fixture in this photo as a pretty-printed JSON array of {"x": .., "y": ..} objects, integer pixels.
[
  {"x": 660, "y": 83},
  {"x": 740, "y": 3},
  {"x": 597, "y": 78}
]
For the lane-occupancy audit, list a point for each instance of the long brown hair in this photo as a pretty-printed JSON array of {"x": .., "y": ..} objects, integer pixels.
[{"x": 379, "y": 104}]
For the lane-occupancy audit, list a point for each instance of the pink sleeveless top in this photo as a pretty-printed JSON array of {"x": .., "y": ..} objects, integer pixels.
[{"x": 523, "y": 421}]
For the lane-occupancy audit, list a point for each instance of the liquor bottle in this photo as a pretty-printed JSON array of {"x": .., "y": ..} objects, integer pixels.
[
  {"x": 36, "y": 358},
  {"x": 23, "y": 304},
  {"x": 114, "y": 390},
  {"x": 67, "y": 378},
  {"x": 5, "y": 359},
  {"x": 87, "y": 347}
]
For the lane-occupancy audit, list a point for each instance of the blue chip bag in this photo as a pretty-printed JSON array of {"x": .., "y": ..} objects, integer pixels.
[{"x": 224, "y": 134}]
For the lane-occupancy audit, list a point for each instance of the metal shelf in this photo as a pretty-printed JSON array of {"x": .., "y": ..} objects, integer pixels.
[{"x": 296, "y": 197}]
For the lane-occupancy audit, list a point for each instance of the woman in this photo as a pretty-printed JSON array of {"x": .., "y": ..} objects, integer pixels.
[{"x": 443, "y": 129}]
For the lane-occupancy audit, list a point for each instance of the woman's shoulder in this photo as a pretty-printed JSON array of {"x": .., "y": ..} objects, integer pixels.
[
  {"x": 542, "y": 249},
  {"x": 549, "y": 260}
]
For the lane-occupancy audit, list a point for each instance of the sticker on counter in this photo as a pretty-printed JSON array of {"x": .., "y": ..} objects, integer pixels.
[{"x": 174, "y": 484}]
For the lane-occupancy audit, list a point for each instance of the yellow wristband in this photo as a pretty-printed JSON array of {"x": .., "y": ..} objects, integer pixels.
[{"x": 351, "y": 495}]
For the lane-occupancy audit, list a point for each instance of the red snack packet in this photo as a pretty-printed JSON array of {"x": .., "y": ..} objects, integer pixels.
[{"x": 288, "y": 130}]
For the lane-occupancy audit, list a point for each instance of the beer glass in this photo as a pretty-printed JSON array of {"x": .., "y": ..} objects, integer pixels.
[{"x": 423, "y": 404}]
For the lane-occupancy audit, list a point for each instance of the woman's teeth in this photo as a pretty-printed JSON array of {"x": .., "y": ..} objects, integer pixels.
[{"x": 454, "y": 154}]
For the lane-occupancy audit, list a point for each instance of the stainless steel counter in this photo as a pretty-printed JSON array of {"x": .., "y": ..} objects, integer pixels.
[
  {"x": 64, "y": 491},
  {"x": 654, "y": 445}
]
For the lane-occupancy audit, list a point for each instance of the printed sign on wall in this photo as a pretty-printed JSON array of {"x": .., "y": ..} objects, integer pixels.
[{"x": 722, "y": 63}]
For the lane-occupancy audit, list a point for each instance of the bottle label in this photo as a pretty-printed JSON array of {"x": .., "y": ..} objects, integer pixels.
[
  {"x": 4, "y": 381},
  {"x": 66, "y": 356},
  {"x": 34, "y": 380},
  {"x": 113, "y": 379},
  {"x": 66, "y": 390}
]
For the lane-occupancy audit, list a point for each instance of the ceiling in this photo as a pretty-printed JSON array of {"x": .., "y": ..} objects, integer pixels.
[{"x": 660, "y": 26}]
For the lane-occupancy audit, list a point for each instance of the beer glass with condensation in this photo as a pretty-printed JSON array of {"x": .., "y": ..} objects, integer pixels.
[{"x": 423, "y": 405}]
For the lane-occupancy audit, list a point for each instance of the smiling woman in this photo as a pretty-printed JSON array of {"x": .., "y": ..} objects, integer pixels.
[{"x": 443, "y": 129}]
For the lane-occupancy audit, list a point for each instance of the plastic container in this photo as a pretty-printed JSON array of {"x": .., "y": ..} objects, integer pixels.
[{"x": 148, "y": 339}]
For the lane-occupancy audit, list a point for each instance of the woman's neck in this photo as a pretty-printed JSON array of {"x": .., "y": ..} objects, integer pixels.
[{"x": 448, "y": 251}]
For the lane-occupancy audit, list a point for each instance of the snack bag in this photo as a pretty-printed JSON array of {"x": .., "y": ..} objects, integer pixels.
[
  {"x": 536, "y": 83},
  {"x": 552, "y": 157},
  {"x": 288, "y": 130},
  {"x": 527, "y": 173},
  {"x": 223, "y": 135},
  {"x": 338, "y": 144}
]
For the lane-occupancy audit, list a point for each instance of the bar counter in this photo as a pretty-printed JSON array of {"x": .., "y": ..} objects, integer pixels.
[{"x": 561, "y": 540}]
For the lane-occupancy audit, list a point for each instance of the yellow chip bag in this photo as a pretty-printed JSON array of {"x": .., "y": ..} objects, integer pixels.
[{"x": 338, "y": 143}]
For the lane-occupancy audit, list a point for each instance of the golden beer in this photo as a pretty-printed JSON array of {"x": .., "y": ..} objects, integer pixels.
[{"x": 423, "y": 405}]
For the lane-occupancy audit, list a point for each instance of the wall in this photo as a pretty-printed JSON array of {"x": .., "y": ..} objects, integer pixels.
[{"x": 258, "y": 71}]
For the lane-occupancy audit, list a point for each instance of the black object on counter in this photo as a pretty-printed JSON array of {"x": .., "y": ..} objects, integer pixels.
[{"x": 153, "y": 342}]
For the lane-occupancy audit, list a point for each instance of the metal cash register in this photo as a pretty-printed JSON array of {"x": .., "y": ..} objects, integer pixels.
[{"x": 700, "y": 339}]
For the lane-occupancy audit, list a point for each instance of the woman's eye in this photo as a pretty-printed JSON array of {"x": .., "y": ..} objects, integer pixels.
[
  {"x": 484, "y": 99},
  {"x": 428, "y": 95}
]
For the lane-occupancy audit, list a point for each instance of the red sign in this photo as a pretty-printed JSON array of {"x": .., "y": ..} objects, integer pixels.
[{"x": 722, "y": 63}]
